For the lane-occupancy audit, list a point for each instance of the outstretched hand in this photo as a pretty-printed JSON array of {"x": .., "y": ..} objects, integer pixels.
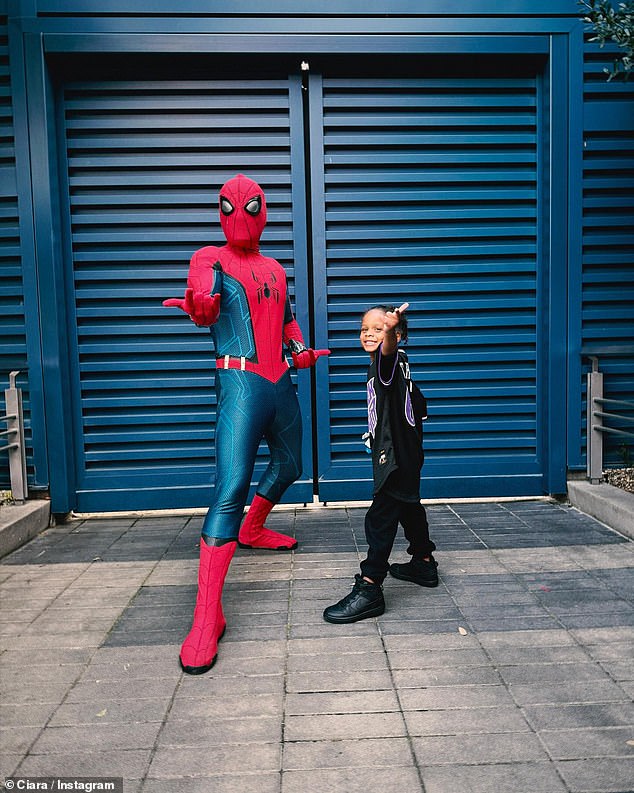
[
  {"x": 390, "y": 322},
  {"x": 203, "y": 308},
  {"x": 392, "y": 318},
  {"x": 306, "y": 358}
]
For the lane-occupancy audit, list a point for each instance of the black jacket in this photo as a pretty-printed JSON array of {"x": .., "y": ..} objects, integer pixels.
[{"x": 396, "y": 409}]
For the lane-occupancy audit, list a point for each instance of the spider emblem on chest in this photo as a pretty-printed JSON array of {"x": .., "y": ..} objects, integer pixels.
[{"x": 266, "y": 288}]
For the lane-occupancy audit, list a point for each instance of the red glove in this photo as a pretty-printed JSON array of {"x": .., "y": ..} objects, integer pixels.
[
  {"x": 306, "y": 358},
  {"x": 203, "y": 308}
]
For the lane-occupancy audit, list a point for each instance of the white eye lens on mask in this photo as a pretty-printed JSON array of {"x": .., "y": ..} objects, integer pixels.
[
  {"x": 253, "y": 206},
  {"x": 226, "y": 206}
]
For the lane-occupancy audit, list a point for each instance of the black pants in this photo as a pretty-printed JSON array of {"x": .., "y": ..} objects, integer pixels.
[{"x": 381, "y": 524}]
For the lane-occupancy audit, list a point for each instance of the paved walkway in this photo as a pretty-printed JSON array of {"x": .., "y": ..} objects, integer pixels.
[{"x": 514, "y": 676}]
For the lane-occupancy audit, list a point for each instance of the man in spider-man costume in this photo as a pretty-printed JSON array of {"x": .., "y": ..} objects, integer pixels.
[{"x": 242, "y": 296}]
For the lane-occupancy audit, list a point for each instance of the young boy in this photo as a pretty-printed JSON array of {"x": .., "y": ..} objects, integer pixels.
[{"x": 395, "y": 412}]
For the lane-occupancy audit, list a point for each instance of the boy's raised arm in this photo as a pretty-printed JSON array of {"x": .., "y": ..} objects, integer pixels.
[{"x": 389, "y": 345}]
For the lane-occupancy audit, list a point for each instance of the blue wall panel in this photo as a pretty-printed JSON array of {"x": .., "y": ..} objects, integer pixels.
[
  {"x": 608, "y": 235},
  {"x": 13, "y": 349}
]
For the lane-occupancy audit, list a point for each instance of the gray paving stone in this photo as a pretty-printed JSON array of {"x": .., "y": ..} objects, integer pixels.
[
  {"x": 351, "y": 780},
  {"x": 18, "y": 617},
  {"x": 496, "y": 612},
  {"x": 601, "y": 714},
  {"x": 321, "y": 629},
  {"x": 89, "y": 598},
  {"x": 360, "y": 753},
  {"x": 129, "y": 764},
  {"x": 532, "y": 638},
  {"x": 397, "y": 610},
  {"x": 503, "y": 778},
  {"x": 52, "y": 622},
  {"x": 512, "y": 624},
  {"x": 481, "y": 749},
  {"x": 130, "y": 670},
  {"x": 241, "y": 685},
  {"x": 537, "y": 656},
  {"x": 583, "y": 744},
  {"x": 568, "y": 691},
  {"x": 628, "y": 688},
  {"x": 234, "y": 650},
  {"x": 249, "y": 633},
  {"x": 104, "y": 690},
  {"x": 13, "y": 677},
  {"x": 429, "y": 627},
  {"x": 341, "y": 642},
  {"x": 447, "y": 676},
  {"x": 248, "y": 666},
  {"x": 431, "y": 643},
  {"x": 48, "y": 658},
  {"x": 598, "y": 775},
  {"x": 17, "y": 739},
  {"x": 228, "y": 706},
  {"x": 16, "y": 693},
  {"x": 341, "y": 702},
  {"x": 62, "y": 641},
  {"x": 466, "y": 721},
  {"x": 551, "y": 673},
  {"x": 174, "y": 762},
  {"x": 616, "y": 651},
  {"x": 620, "y": 670},
  {"x": 215, "y": 732},
  {"x": 29, "y": 715},
  {"x": 436, "y": 659},
  {"x": 261, "y": 782},
  {"x": 347, "y": 680},
  {"x": 604, "y": 636},
  {"x": 336, "y": 662},
  {"x": 99, "y": 738},
  {"x": 343, "y": 725},
  {"x": 163, "y": 654},
  {"x": 131, "y": 710},
  {"x": 445, "y": 698}
]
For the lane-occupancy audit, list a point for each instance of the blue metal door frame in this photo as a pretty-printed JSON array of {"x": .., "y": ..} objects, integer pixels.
[{"x": 559, "y": 38}]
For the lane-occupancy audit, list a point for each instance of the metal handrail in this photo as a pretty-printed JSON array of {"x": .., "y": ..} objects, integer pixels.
[
  {"x": 596, "y": 428},
  {"x": 16, "y": 449}
]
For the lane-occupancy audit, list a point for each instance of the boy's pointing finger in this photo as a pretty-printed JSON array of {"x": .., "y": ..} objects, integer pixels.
[{"x": 402, "y": 308}]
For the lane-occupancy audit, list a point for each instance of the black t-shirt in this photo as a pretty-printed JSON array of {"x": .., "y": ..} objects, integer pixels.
[{"x": 396, "y": 409}]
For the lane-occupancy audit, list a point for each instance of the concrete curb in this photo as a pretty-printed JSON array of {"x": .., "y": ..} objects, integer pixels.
[
  {"x": 609, "y": 504},
  {"x": 21, "y": 522}
]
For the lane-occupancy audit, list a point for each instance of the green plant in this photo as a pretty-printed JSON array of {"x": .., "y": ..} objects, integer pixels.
[{"x": 616, "y": 25}]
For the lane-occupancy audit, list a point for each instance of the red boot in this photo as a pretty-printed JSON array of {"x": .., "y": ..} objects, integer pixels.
[
  {"x": 253, "y": 534},
  {"x": 198, "y": 653}
]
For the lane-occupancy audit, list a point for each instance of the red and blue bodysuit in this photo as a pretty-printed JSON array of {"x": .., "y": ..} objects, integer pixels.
[{"x": 242, "y": 296}]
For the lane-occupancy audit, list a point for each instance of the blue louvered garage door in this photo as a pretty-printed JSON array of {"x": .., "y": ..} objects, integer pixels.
[
  {"x": 423, "y": 190},
  {"x": 145, "y": 161},
  {"x": 426, "y": 191}
]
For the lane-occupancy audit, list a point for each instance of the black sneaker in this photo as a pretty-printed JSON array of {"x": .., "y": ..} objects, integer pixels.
[
  {"x": 418, "y": 571},
  {"x": 365, "y": 600}
]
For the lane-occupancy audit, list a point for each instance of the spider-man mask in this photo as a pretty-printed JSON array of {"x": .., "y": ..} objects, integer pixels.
[{"x": 242, "y": 212}]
